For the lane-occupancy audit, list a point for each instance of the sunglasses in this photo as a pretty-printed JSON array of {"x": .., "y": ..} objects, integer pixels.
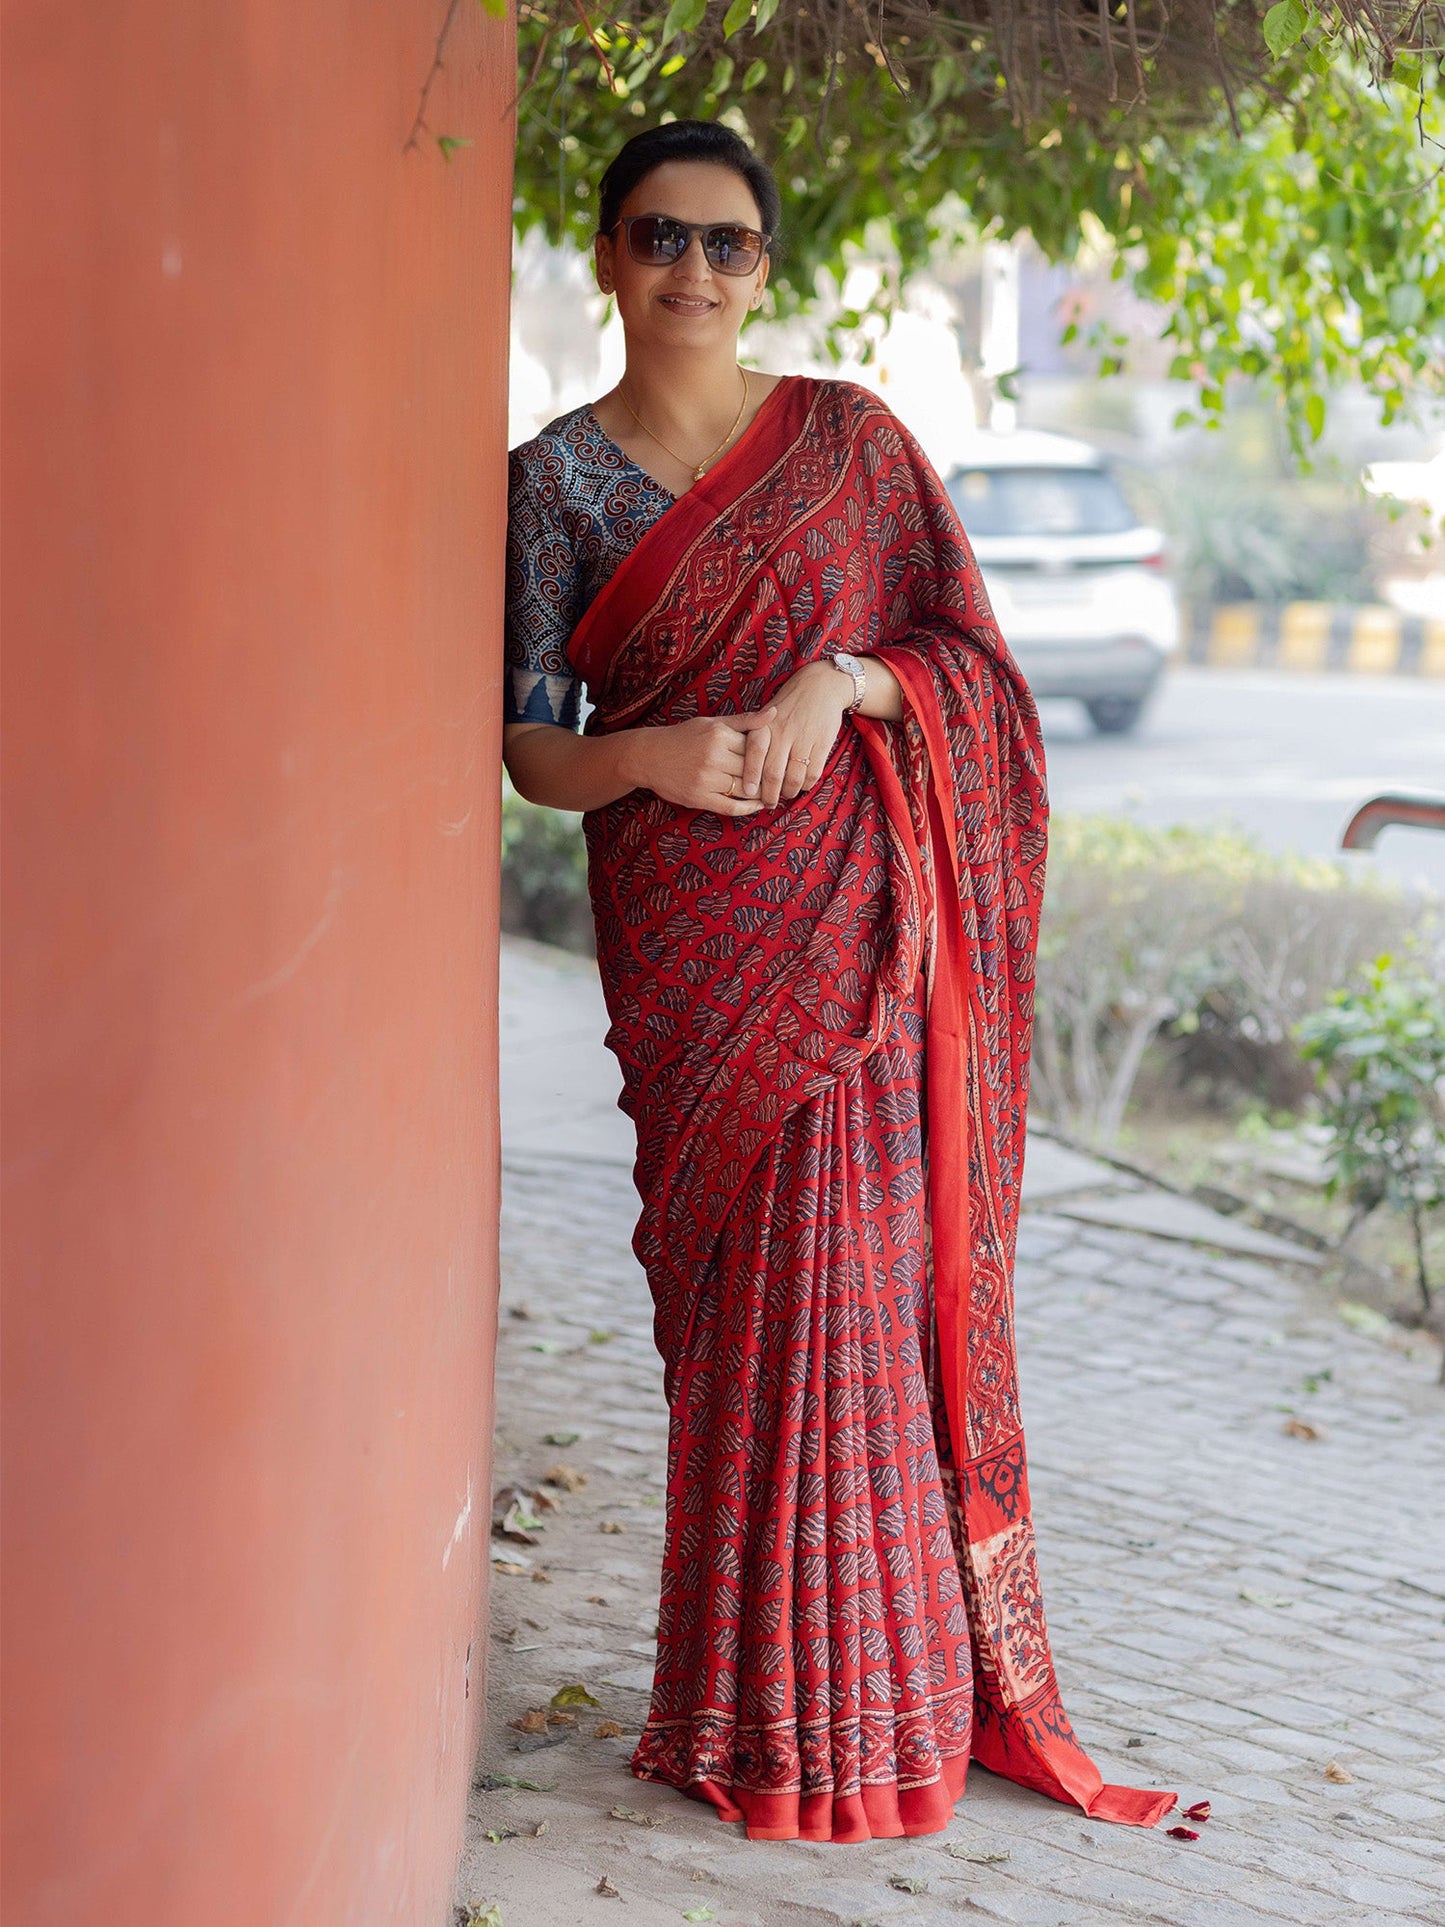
[{"x": 657, "y": 240}]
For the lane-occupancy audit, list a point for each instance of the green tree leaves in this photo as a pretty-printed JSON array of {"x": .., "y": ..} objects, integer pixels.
[
  {"x": 1284, "y": 24},
  {"x": 683, "y": 16},
  {"x": 1379, "y": 1052},
  {"x": 1306, "y": 249}
]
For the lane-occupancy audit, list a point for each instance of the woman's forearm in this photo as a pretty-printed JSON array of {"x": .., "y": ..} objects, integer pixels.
[
  {"x": 566, "y": 771},
  {"x": 883, "y": 696}
]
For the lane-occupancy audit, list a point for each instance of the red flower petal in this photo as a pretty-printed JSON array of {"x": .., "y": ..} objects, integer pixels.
[
  {"x": 1199, "y": 1811},
  {"x": 1182, "y": 1833}
]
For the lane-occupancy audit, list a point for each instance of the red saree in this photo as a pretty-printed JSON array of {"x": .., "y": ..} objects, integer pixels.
[{"x": 823, "y": 1017}]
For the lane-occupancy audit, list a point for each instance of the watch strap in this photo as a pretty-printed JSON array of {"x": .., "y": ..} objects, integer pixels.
[{"x": 850, "y": 665}]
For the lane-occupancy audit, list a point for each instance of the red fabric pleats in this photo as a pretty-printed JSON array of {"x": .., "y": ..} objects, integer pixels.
[
  {"x": 813, "y": 1640},
  {"x": 887, "y": 1812}
]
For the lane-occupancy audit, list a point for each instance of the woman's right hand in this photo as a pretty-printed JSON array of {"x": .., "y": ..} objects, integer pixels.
[{"x": 699, "y": 764}]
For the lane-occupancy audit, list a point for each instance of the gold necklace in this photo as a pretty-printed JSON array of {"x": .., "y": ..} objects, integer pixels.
[{"x": 708, "y": 460}]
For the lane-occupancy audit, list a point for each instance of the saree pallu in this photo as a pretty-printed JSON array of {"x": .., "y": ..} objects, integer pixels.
[{"x": 823, "y": 1014}]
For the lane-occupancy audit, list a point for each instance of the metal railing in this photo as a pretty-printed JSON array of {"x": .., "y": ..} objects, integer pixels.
[{"x": 1413, "y": 810}]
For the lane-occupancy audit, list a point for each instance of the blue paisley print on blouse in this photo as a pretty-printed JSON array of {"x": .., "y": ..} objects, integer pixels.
[{"x": 575, "y": 507}]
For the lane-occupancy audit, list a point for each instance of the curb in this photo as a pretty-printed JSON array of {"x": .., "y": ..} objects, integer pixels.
[
  {"x": 1214, "y": 1197},
  {"x": 1367, "y": 639}
]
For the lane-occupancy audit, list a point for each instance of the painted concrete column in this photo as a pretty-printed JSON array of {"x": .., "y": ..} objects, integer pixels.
[{"x": 254, "y": 394}]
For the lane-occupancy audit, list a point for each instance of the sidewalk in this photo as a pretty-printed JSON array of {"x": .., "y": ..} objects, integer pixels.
[{"x": 1240, "y": 1609}]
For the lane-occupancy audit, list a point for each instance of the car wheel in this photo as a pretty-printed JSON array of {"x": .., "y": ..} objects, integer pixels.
[{"x": 1114, "y": 715}]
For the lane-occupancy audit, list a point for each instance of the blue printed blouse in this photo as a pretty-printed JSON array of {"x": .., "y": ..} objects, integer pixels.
[{"x": 576, "y": 505}]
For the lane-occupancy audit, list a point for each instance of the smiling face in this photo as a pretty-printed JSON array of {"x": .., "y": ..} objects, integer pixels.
[{"x": 686, "y": 303}]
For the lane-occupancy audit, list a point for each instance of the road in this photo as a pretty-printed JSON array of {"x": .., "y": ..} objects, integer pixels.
[{"x": 1286, "y": 757}]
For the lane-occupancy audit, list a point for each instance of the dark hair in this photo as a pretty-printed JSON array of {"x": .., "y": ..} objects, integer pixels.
[{"x": 686, "y": 140}]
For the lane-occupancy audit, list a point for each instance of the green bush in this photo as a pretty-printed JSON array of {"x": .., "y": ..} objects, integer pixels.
[
  {"x": 1379, "y": 1050},
  {"x": 1269, "y": 539},
  {"x": 1199, "y": 936},
  {"x": 544, "y": 874}
]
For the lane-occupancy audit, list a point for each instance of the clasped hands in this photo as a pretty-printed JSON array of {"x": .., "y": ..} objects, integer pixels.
[{"x": 739, "y": 764}]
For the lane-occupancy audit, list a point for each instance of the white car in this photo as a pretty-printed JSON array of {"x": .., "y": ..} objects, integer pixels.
[{"x": 1079, "y": 585}]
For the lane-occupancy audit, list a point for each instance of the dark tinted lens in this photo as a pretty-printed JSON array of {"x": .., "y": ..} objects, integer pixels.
[
  {"x": 654, "y": 239},
  {"x": 733, "y": 250}
]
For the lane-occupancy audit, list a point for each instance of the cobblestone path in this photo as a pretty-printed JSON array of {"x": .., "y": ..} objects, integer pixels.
[{"x": 1239, "y": 1508}]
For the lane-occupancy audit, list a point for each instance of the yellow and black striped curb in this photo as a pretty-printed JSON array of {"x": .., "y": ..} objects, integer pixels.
[{"x": 1368, "y": 640}]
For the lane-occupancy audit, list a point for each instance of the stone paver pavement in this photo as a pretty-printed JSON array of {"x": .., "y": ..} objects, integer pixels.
[{"x": 1236, "y": 1606}]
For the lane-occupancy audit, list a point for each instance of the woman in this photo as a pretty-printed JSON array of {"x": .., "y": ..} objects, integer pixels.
[{"x": 815, "y": 816}]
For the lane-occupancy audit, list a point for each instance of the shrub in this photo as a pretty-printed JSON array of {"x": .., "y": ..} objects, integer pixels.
[
  {"x": 1197, "y": 932},
  {"x": 544, "y": 874},
  {"x": 1267, "y": 538},
  {"x": 1379, "y": 1050}
]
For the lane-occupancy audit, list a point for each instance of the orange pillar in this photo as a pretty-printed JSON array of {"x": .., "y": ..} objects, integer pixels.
[{"x": 254, "y": 394}]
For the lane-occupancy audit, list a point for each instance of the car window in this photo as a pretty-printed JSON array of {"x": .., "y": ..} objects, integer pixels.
[{"x": 1039, "y": 501}]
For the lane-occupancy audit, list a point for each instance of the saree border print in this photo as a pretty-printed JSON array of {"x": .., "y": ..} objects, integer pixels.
[{"x": 825, "y": 527}]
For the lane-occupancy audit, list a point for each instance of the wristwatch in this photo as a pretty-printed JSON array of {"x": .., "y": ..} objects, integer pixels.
[{"x": 851, "y": 666}]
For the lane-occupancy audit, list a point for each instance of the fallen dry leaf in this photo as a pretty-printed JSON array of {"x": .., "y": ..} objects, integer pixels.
[
  {"x": 611, "y": 1525},
  {"x": 635, "y": 1815},
  {"x": 545, "y": 1501},
  {"x": 511, "y": 1568},
  {"x": 575, "y": 1694},
  {"x": 1300, "y": 1428},
  {"x": 1334, "y": 1771},
  {"x": 1182, "y": 1833},
  {"x": 908, "y": 1883},
  {"x": 560, "y": 1438},
  {"x": 540, "y": 1578},
  {"x": 607, "y": 1730},
  {"x": 606, "y": 1889},
  {"x": 981, "y": 1856},
  {"x": 567, "y": 1476},
  {"x": 561, "y": 1719},
  {"x": 534, "y": 1720},
  {"x": 514, "y": 1515},
  {"x": 539, "y": 1829},
  {"x": 595, "y": 1599}
]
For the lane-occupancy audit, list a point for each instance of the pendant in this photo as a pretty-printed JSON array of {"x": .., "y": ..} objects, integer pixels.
[{"x": 697, "y": 473}]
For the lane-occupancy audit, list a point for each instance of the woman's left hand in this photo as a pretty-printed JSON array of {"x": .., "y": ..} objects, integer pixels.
[{"x": 784, "y": 759}]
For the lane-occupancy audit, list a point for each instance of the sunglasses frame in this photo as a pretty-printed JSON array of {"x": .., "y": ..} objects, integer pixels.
[{"x": 704, "y": 228}]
